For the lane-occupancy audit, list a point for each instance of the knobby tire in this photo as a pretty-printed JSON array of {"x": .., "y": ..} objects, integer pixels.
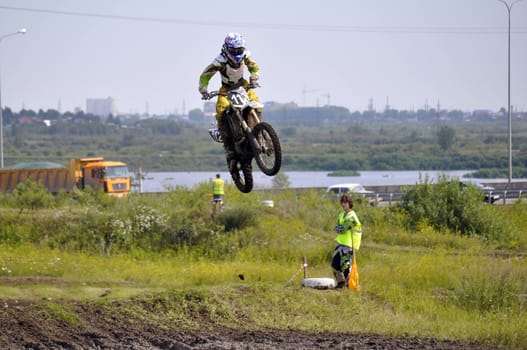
[
  {"x": 269, "y": 158},
  {"x": 242, "y": 175}
]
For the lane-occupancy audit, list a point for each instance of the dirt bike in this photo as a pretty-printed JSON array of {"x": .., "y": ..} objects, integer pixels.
[{"x": 252, "y": 138}]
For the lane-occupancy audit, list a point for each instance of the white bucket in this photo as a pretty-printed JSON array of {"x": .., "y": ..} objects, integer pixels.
[{"x": 319, "y": 283}]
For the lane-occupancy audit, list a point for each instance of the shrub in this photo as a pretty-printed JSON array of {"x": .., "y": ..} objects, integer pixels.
[
  {"x": 94, "y": 198},
  {"x": 281, "y": 180},
  {"x": 237, "y": 218},
  {"x": 31, "y": 195},
  {"x": 446, "y": 206}
]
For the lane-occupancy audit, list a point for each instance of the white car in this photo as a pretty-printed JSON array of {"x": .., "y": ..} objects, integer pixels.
[
  {"x": 489, "y": 195},
  {"x": 337, "y": 190}
]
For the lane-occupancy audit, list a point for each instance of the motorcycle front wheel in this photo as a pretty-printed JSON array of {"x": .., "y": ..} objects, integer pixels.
[
  {"x": 269, "y": 157},
  {"x": 242, "y": 175}
]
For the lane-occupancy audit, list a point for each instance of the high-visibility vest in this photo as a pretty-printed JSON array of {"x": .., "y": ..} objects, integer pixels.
[
  {"x": 218, "y": 187},
  {"x": 352, "y": 229}
]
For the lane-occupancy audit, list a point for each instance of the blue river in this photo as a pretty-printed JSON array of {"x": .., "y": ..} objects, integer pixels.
[{"x": 164, "y": 181}]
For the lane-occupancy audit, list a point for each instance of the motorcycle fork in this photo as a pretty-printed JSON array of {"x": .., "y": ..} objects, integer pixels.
[
  {"x": 255, "y": 146},
  {"x": 252, "y": 118}
]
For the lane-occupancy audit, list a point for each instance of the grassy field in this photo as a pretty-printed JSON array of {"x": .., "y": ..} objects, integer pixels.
[{"x": 464, "y": 280}]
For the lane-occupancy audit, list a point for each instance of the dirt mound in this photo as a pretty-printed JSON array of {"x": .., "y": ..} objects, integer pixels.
[{"x": 72, "y": 325}]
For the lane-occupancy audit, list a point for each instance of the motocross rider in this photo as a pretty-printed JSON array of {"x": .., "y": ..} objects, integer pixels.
[{"x": 230, "y": 63}]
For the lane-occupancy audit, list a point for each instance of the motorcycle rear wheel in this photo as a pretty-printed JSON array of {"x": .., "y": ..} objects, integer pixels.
[
  {"x": 242, "y": 175},
  {"x": 269, "y": 159}
]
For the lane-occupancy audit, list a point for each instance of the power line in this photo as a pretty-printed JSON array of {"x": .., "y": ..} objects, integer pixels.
[{"x": 283, "y": 26}]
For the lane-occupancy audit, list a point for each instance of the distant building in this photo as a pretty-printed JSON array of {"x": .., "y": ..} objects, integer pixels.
[
  {"x": 25, "y": 120},
  {"x": 102, "y": 107}
]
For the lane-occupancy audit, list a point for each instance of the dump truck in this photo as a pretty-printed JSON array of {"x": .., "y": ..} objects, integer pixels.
[{"x": 108, "y": 176}]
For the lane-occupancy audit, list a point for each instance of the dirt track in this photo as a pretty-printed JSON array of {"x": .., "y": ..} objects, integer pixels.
[{"x": 25, "y": 325}]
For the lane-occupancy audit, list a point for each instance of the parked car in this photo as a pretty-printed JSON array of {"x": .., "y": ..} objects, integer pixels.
[
  {"x": 337, "y": 190},
  {"x": 490, "y": 196}
]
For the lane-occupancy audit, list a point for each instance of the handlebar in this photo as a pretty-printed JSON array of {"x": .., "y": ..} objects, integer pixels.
[
  {"x": 252, "y": 86},
  {"x": 210, "y": 95},
  {"x": 215, "y": 93}
]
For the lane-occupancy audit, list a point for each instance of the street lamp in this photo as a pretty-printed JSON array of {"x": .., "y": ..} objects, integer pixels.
[
  {"x": 509, "y": 8},
  {"x": 20, "y": 31}
]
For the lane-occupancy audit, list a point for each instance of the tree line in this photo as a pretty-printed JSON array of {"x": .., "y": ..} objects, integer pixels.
[{"x": 320, "y": 139}]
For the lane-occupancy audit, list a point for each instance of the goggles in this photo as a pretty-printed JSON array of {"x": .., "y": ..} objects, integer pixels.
[{"x": 236, "y": 50}]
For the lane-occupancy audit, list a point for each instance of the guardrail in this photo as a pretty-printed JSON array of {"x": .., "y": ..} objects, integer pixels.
[
  {"x": 506, "y": 196},
  {"x": 508, "y": 192},
  {"x": 394, "y": 194}
]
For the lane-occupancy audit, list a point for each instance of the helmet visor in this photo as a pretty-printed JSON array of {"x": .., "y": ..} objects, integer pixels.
[{"x": 236, "y": 50}]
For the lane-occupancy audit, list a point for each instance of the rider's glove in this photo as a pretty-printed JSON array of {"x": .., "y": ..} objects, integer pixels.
[
  {"x": 338, "y": 228},
  {"x": 204, "y": 93},
  {"x": 254, "y": 79}
]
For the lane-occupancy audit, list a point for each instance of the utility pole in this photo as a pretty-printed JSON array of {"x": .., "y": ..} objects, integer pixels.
[
  {"x": 20, "y": 31},
  {"x": 509, "y": 8}
]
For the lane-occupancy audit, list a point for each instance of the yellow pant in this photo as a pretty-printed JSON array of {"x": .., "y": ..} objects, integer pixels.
[{"x": 222, "y": 103}]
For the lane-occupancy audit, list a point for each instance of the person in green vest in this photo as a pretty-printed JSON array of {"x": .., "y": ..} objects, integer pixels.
[
  {"x": 349, "y": 234},
  {"x": 218, "y": 191}
]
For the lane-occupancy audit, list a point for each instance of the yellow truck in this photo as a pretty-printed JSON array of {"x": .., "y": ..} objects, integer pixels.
[{"x": 108, "y": 176}]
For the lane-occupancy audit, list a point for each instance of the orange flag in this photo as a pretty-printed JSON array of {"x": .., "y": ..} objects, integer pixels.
[{"x": 353, "y": 283}]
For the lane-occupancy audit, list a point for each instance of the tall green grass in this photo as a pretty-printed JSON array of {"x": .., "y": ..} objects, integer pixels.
[{"x": 417, "y": 278}]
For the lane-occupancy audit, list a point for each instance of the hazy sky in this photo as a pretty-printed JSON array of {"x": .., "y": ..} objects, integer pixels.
[{"x": 151, "y": 53}]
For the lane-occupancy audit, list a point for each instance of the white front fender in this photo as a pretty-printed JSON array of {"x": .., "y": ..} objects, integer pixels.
[{"x": 254, "y": 104}]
